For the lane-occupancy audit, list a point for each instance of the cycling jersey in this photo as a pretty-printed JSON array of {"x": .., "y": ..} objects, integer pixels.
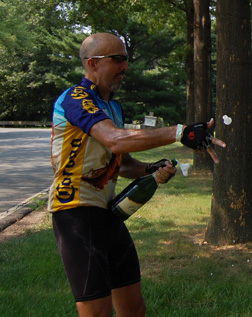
[{"x": 85, "y": 171}]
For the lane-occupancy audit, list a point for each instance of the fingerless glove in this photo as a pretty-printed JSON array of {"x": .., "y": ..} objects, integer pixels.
[{"x": 196, "y": 137}]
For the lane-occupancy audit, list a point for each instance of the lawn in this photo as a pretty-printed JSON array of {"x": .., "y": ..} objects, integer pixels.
[{"x": 182, "y": 276}]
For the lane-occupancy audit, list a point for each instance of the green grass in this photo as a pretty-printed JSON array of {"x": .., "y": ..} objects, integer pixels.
[{"x": 181, "y": 276}]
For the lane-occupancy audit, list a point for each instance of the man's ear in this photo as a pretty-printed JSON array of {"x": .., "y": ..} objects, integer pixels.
[{"x": 92, "y": 63}]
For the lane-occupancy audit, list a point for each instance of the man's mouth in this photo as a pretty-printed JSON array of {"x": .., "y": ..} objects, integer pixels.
[{"x": 120, "y": 76}]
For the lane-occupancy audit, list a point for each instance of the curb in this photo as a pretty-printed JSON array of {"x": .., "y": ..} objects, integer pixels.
[{"x": 18, "y": 212}]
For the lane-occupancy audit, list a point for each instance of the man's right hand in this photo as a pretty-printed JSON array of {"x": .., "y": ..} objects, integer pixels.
[{"x": 165, "y": 173}]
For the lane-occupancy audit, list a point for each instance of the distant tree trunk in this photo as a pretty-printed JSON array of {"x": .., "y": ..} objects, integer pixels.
[
  {"x": 231, "y": 212},
  {"x": 190, "y": 108},
  {"x": 202, "y": 73}
]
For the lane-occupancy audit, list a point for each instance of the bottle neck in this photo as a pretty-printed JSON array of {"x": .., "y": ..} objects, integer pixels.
[{"x": 155, "y": 177}]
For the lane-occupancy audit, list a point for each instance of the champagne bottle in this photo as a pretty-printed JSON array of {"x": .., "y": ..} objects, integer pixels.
[{"x": 135, "y": 195}]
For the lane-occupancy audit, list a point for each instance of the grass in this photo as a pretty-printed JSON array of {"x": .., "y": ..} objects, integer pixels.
[
  {"x": 181, "y": 275},
  {"x": 37, "y": 203}
]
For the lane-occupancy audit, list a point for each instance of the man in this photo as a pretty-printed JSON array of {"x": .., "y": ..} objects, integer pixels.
[{"x": 90, "y": 149}]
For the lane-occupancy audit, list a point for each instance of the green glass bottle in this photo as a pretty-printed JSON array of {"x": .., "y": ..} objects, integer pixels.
[{"x": 134, "y": 196}]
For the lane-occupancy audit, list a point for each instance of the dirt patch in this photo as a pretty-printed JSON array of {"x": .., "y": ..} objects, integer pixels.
[
  {"x": 30, "y": 222},
  {"x": 199, "y": 239}
]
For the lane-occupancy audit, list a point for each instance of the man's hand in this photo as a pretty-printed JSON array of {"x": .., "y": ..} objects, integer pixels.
[
  {"x": 164, "y": 174},
  {"x": 196, "y": 137}
]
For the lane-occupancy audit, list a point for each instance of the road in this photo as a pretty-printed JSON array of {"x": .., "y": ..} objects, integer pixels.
[{"x": 25, "y": 167}]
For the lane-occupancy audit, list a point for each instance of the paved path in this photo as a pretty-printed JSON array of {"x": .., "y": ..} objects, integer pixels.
[{"x": 25, "y": 167}]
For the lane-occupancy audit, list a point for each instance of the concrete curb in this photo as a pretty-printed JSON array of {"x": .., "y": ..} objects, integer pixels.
[{"x": 18, "y": 212}]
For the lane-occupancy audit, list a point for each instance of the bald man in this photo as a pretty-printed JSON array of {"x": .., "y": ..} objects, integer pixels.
[{"x": 90, "y": 148}]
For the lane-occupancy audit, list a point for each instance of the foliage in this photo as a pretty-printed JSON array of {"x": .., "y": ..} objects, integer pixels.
[
  {"x": 155, "y": 82},
  {"x": 24, "y": 93},
  {"x": 66, "y": 68},
  {"x": 39, "y": 46}
]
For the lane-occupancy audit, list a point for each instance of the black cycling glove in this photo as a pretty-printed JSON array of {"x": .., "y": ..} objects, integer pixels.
[{"x": 196, "y": 136}]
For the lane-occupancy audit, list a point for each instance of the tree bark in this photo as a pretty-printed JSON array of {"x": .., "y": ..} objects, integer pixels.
[
  {"x": 202, "y": 73},
  {"x": 190, "y": 109},
  {"x": 231, "y": 211}
]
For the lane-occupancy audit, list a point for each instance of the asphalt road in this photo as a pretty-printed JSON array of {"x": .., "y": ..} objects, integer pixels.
[{"x": 25, "y": 167}]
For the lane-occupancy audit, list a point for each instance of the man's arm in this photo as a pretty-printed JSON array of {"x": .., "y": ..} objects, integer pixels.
[
  {"x": 121, "y": 141},
  {"x": 130, "y": 140},
  {"x": 132, "y": 168}
]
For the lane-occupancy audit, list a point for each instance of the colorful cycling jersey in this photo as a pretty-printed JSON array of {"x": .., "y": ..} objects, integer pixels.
[{"x": 85, "y": 171}]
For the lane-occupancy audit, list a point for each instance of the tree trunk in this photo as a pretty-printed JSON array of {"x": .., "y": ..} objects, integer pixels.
[
  {"x": 202, "y": 73},
  {"x": 190, "y": 109},
  {"x": 231, "y": 212}
]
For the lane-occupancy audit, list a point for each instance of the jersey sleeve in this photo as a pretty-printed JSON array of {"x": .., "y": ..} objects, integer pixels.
[{"x": 80, "y": 109}]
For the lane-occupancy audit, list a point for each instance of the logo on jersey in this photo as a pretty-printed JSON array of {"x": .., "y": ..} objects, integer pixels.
[
  {"x": 87, "y": 104},
  {"x": 65, "y": 189}
]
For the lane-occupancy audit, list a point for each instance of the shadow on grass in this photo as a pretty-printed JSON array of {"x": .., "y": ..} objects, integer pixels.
[
  {"x": 184, "y": 278},
  {"x": 180, "y": 278}
]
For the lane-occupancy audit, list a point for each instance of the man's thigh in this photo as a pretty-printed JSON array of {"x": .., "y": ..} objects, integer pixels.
[{"x": 97, "y": 251}]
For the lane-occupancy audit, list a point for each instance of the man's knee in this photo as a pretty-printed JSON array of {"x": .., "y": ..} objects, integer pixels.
[
  {"x": 141, "y": 311},
  {"x": 128, "y": 301},
  {"x": 98, "y": 307},
  {"x": 132, "y": 310}
]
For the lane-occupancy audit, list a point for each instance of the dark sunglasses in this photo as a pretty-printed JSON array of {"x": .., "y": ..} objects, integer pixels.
[{"x": 116, "y": 58}]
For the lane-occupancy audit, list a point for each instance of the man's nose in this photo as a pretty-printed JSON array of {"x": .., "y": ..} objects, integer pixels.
[{"x": 124, "y": 66}]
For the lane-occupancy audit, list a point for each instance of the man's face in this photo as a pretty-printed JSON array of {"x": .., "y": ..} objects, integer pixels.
[{"x": 110, "y": 70}]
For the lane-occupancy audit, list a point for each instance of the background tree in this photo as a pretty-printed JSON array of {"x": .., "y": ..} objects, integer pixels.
[
  {"x": 231, "y": 213},
  {"x": 51, "y": 63},
  {"x": 25, "y": 94},
  {"x": 190, "y": 108},
  {"x": 199, "y": 105},
  {"x": 202, "y": 73},
  {"x": 155, "y": 81},
  {"x": 155, "y": 35},
  {"x": 15, "y": 42},
  {"x": 184, "y": 9}
]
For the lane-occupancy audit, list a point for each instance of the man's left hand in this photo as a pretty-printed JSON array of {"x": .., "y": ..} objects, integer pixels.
[{"x": 196, "y": 137}]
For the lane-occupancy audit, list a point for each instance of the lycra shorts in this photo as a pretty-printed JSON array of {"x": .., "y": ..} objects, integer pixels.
[{"x": 97, "y": 251}]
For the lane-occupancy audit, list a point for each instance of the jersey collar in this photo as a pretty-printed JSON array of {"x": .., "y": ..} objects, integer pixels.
[{"x": 90, "y": 85}]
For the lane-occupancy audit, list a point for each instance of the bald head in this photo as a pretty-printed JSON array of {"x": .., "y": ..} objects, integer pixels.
[{"x": 99, "y": 44}]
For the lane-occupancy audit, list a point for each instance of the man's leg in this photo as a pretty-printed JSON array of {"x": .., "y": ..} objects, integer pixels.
[
  {"x": 128, "y": 301},
  {"x": 98, "y": 307},
  {"x": 84, "y": 258}
]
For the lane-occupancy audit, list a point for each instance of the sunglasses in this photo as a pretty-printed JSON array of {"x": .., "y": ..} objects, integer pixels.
[{"x": 116, "y": 58}]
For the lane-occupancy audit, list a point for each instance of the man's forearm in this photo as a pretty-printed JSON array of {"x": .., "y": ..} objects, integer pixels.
[{"x": 125, "y": 141}]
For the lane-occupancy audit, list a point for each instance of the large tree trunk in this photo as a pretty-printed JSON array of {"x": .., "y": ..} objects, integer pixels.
[
  {"x": 231, "y": 213},
  {"x": 190, "y": 109},
  {"x": 202, "y": 73}
]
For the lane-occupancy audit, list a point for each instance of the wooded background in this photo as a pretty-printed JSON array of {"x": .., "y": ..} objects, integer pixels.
[{"x": 189, "y": 60}]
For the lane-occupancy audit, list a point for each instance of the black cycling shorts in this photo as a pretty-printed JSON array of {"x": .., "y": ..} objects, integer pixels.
[{"x": 97, "y": 251}]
